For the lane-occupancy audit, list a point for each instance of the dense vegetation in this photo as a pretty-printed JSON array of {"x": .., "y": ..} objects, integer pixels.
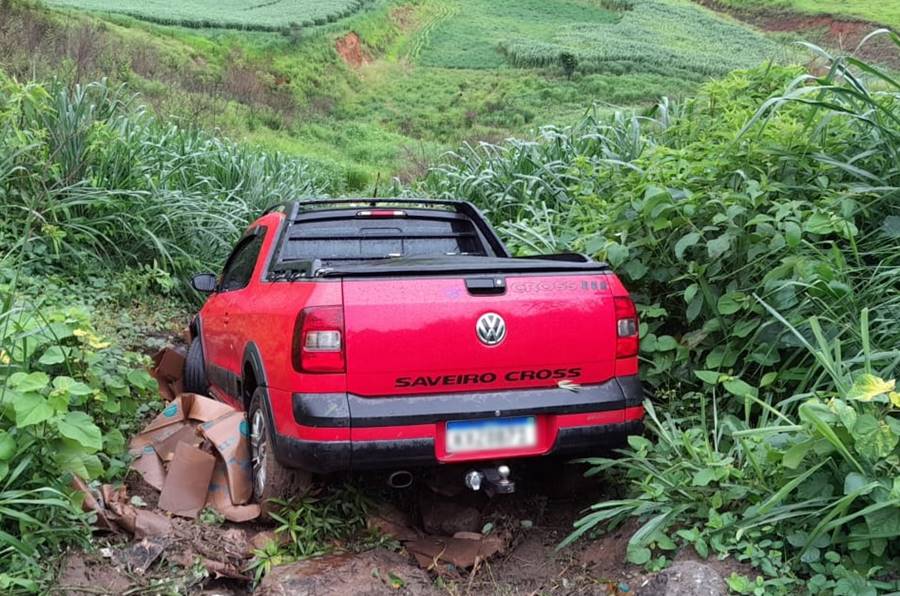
[
  {"x": 230, "y": 14},
  {"x": 758, "y": 226},
  {"x": 102, "y": 205}
]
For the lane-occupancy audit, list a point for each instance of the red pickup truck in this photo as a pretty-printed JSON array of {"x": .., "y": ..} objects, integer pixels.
[{"x": 395, "y": 334}]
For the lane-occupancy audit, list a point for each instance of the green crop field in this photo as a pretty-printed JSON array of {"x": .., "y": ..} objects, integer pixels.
[
  {"x": 256, "y": 15},
  {"x": 469, "y": 36},
  {"x": 669, "y": 37}
]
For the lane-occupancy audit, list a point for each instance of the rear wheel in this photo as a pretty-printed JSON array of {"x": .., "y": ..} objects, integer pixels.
[
  {"x": 195, "y": 380},
  {"x": 271, "y": 480}
]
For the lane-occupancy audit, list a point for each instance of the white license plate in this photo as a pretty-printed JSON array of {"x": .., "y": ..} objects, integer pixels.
[{"x": 465, "y": 436}]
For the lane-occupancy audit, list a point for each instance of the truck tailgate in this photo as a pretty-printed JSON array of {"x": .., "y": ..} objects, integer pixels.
[{"x": 417, "y": 335}]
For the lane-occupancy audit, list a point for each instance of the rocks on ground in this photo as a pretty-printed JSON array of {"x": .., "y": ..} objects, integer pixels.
[{"x": 686, "y": 578}]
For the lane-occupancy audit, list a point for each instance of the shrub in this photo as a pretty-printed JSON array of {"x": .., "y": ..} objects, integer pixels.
[
  {"x": 568, "y": 62},
  {"x": 758, "y": 230}
]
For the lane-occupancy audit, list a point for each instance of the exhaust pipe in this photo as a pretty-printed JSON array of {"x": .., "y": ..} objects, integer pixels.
[{"x": 400, "y": 479}]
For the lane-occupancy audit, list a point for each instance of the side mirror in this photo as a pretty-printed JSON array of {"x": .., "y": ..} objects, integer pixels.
[{"x": 204, "y": 282}]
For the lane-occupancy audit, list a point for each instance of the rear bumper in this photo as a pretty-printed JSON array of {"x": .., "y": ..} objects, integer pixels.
[{"x": 333, "y": 432}]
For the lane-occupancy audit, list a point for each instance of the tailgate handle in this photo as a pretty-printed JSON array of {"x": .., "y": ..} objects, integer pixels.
[{"x": 482, "y": 286}]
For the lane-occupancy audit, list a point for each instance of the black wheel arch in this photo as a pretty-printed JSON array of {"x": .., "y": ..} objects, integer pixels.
[
  {"x": 253, "y": 374},
  {"x": 195, "y": 326}
]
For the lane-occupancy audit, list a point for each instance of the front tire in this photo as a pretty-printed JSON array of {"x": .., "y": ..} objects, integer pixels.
[
  {"x": 195, "y": 380},
  {"x": 271, "y": 480}
]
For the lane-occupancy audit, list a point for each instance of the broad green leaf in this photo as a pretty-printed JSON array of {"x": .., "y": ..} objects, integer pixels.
[
  {"x": 874, "y": 438},
  {"x": 867, "y": 387},
  {"x": 730, "y": 303},
  {"x": 685, "y": 242},
  {"x": 638, "y": 442},
  {"x": 693, "y": 309},
  {"x": 707, "y": 376},
  {"x": 7, "y": 446},
  {"x": 701, "y": 547},
  {"x": 140, "y": 378},
  {"x": 28, "y": 382},
  {"x": 819, "y": 223},
  {"x": 853, "y": 482},
  {"x": 595, "y": 244},
  {"x": 718, "y": 246},
  {"x": 690, "y": 292},
  {"x": 814, "y": 413},
  {"x": 70, "y": 386},
  {"x": 31, "y": 408},
  {"x": 114, "y": 442},
  {"x": 635, "y": 269},
  {"x": 768, "y": 379},
  {"x": 793, "y": 457},
  {"x": 52, "y": 355},
  {"x": 616, "y": 254},
  {"x": 739, "y": 388},
  {"x": 792, "y": 233},
  {"x": 664, "y": 343},
  {"x": 80, "y": 427},
  {"x": 703, "y": 477},
  {"x": 84, "y": 465},
  {"x": 744, "y": 328},
  {"x": 638, "y": 555}
]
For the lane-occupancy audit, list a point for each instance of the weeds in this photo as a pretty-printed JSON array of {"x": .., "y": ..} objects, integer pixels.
[{"x": 314, "y": 525}]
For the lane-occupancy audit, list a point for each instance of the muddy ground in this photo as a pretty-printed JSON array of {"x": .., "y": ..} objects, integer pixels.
[{"x": 531, "y": 524}]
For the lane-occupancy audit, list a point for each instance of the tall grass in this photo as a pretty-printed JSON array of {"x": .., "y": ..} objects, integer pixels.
[{"x": 103, "y": 180}]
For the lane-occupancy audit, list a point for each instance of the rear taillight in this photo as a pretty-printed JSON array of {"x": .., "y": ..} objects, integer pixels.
[
  {"x": 319, "y": 340},
  {"x": 626, "y": 328}
]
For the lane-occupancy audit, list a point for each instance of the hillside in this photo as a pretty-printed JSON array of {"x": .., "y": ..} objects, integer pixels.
[{"x": 412, "y": 79}]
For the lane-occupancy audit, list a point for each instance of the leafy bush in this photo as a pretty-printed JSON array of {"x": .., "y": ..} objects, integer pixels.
[
  {"x": 68, "y": 400},
  {"x": 758, "y": 230},
  {"x": 817, "y": 490}
]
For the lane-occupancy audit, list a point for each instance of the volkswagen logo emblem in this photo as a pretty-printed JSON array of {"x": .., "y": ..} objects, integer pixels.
[{"x": 490, "y": 328}]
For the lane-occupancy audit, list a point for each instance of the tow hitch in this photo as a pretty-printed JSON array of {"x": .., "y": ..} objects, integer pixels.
[{"x": 494, "y": 480}]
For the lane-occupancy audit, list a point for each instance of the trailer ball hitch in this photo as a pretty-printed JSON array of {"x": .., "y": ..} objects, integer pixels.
[{"x": 494, "y": 480}]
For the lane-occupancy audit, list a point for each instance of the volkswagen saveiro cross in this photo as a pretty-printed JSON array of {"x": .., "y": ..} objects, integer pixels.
[{"x": 396, "y": 334}]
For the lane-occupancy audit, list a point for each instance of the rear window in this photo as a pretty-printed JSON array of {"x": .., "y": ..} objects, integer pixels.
[{"x": 347, "y": 239}]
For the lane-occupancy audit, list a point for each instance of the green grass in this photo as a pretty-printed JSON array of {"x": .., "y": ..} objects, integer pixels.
[
  {"x": 671, "y": 37},
  {"x": 436, "y": 76},
  {"x": 260, "y": 15},
  {"x": 469, "y": 36},
  {"x": 884, "y": 12}
]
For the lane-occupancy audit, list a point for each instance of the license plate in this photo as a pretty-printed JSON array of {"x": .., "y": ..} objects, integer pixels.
[{"x": 465, "y": 436}]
